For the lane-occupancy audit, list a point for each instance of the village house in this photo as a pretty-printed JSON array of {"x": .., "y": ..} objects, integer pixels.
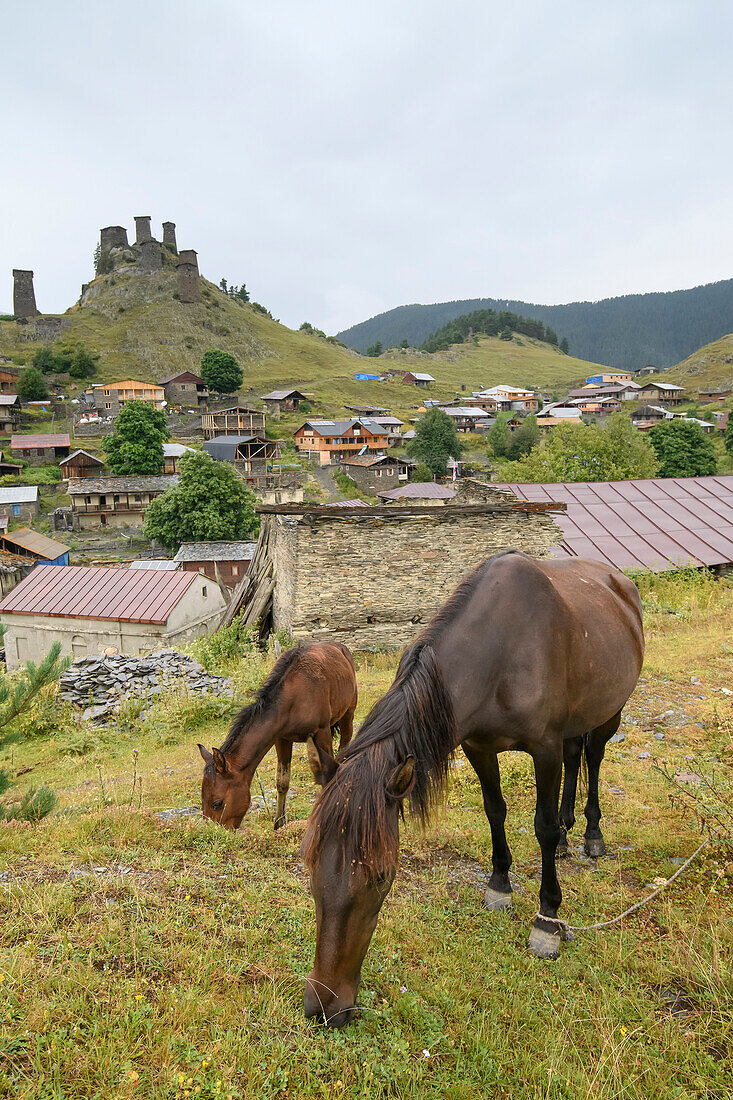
[
  {"x": 391, "y": 425},
  {"x": 506, "y": 399},
  {"x": 417, "y": 378},
  {"x": 374, "y": 472},
  {"x": 552, "y": 415},
  {"x": 649, "y": 369},
  {"x": 621, "y": 391},
  {"x": 599, "y": 405},
  {"x": 20, "y": 501},
  {"x": 39, "y": 450},
  {"x": 80, "y": 464},
  {"x": 251, "y": 454},
  {"x": 115, "y": 501},
  {"x": 227, "y": 562},
  {"x": 280, "y": 401},
  {"x": 90, "y": 609},
  {"x": 610, "y": 376},
  {"x": 331, "y": 440},
  {"x": 238, "y": 420},
  {"x": 186, "y": 390},
  {"x": 172, "y": 455},
  {"x": 9, "y": 411},
  {"x": 662, "y": 393},
  {"x": 110, "y": 397},
  {"x": 708, "y": 396},
  {"x": 8, "y": 379},
  {"x": 33, "y": 547},
  {"x": 10, "y": 469},
  {"x": 466, "y": 419},
  {"x": 646, "y": 416}
]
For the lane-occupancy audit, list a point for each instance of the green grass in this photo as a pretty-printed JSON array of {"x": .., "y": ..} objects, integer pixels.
[
  {"x": 141, "y": 958},
  {"x": 707, "y": 368}
]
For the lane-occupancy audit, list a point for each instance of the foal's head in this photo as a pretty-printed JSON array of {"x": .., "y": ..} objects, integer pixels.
[
  {"x": 351, "y": 848},
  {"x": 225, "y": 794}
]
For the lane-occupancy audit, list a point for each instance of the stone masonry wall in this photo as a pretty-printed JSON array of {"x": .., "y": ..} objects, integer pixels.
[{"x": 374, "y": 581}]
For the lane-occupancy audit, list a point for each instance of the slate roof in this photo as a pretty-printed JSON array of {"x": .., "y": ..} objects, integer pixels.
[
  {"x": 149, "y": 483},
  {"x": 216, "y": 551},
  {"x": 650, "y": 523},
  {"x": 20, "y": 441},
  {"x": 419, "y": 490},
  {"x": 92, "y": 592},
  {"x": 187, "y": 374},
  {"x": 372, "y": 460},
  {"x": 36, "y": 543}
]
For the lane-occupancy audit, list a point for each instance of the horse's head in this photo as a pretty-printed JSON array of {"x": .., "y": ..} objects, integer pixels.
[
  {"x": 225, "y": 794},
  {"x": 348, "y": 890}
]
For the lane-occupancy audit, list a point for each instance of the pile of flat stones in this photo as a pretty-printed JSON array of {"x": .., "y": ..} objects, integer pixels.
[{"x": 100, "y": 684}]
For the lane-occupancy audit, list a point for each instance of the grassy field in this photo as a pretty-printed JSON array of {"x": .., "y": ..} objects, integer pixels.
[
  {"x": 165, "y": 958},
  {"x": 710, "y": 367}
]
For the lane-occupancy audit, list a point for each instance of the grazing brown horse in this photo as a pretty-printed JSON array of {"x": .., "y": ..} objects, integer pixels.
[
  {"x": 524, "y": 655},
  {"x": 310, "y": 693}
]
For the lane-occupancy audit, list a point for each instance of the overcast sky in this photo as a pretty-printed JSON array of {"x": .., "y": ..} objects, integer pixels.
[{"x": 342, "y": 158}]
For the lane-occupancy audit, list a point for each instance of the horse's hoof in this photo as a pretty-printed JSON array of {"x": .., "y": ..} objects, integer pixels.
[
  {"x": 495, "y": 899},
  {"x": 562, "y": 850},
  {"x": 594, "y": 847},
  {"x": 280, "y": 821},
  {"x": 545, "y": 945}
]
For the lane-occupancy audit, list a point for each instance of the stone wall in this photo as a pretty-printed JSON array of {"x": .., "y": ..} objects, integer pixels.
[{"x": 373, "y": 580}]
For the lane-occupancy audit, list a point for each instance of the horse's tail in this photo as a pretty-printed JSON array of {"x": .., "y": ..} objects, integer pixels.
[{"x": 583, "y": 773}]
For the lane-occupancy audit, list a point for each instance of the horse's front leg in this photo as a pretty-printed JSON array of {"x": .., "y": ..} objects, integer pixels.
[
  {"x": 284, "y": 750},
  {"x": 572, "y": 755},
  {"x": 346, "y": 728},
  {"x": 484, "y": 762},
  {"x": 544, "y": 938}
]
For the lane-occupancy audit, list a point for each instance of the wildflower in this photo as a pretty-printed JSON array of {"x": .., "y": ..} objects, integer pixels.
[
  {"x": 426, "y": 1054},
  {"x": 403, "y": 989},
  {"x": 2, "y": 977},
  {"x": 138, "y": 996},
  {"x": 134, "y": 1077},
  {"x": 623, "y": 1031},
  {"x": 188, "y": 897},
  {"x": 181, "y": 1078}
]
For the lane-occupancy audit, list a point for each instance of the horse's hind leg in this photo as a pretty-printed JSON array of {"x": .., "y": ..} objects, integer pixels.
[
  {"x": 595, "y": 747},
  {"x": 284, "y": 750},
  {"x": 484, "y": 762},
  {"x": 572, "y": 756}
]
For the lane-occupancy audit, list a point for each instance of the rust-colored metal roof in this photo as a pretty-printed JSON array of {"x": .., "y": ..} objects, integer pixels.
[
  {"x": 17, "y": 441},
  {"x": 37, "y": 544},
  {"x": 89, "y": 592},
  {"x": 654, "y": 523}
]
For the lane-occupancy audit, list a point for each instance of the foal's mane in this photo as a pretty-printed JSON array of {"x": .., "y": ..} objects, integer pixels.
[
  {"x": 266, "y": 697},
  {"x": 415, "y": 718}
]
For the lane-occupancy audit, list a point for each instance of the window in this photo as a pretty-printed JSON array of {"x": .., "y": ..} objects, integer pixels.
[
  {"x": 204, "y": 591},
  {"x": 26, "y": 452},
  {"x": 108, "y": 404},
  {"x": 87, "y": 500},
  {"x": 235, "y": 570},
  {"x": 378, "y": 473},
  {"x": 16, "y": 509},
  {"x": 106, "y": 393}
]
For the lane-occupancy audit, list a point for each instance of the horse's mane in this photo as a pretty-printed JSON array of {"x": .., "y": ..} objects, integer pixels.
[
  {"x": 266, "y": 697},
  {"x": 415, "y": 718}
]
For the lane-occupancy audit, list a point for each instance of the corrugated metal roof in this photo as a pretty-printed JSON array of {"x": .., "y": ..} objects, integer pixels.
[
  {"x": 420, "y": 490},
  {"x": 9, "y": 399},
  {"x": 280, "y": 395},
  {"x": 164, "y": 564},
  {"x": 36, "y": 543},
  {"x": 357, "y": 503},
  {"x": 654, "y": 523},
  {"x": 20, "y": 441},
  {"x": 216, "y": 551},
  {"x": 89, "y": 592},
  {"x": 18, "y": 494},
  {"x": 175, "y": 450}
]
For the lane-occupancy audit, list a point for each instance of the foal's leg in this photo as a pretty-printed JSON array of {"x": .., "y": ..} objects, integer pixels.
[
  {"x": 572, "y": 755},
  {"x": 284, "y": 750},
  {"x": 346, "y": 728},
  {"x": 544, "y": 938},
  {"x": 595, "y": 747},
  {"x": 485, "y": 764}
]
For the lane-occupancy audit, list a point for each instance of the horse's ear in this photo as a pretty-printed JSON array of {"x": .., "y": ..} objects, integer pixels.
[
  {"x": 220, "y": 761},
  {"x": 323, "y": 766},
  {"x": 402, "y": 779},
  {"x": 206, "y": 756}
]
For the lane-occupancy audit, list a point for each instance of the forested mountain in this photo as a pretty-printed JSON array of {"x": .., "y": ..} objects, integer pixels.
[
  {"x": 489, "y": 322},
  {"x": 628, "y": 332}
]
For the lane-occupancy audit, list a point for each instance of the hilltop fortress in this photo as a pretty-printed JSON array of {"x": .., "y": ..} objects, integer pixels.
[{"x": 115, "y": 252}]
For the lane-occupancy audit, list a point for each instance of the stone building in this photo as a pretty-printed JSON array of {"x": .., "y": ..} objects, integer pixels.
[
  {"x": 20, "y": 501},
  {"x": 375, "y": 472},
  {"x": 114, "y": 501},
  {"x": 40, "y": 450},
  {"x": 89, "y": 609},
  {"x": 280, "y": 401},
  {"x": 186, "y": 389},
  {"x": 24, "y": 297},
  {"x": 189, "y": 287},
  {"x": 227, "y": 562},
  {"x": 109, "y": 397},
  {"x": 373, "y": 576}
]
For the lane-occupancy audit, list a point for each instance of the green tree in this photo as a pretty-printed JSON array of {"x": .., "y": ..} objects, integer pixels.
[
  {"x": 136, "y": 444},
  {"x": 45, "y": 360},
  {"x": 587, "y": 452},
  {"x": 498, "y": 436},
  {"x": 728, "y": 436},
  {"x": 551, "y": 336},
  {"x": 221, "y": 372},
  {"x": 524, "y": 438},
  {"x": 83, "y": 364},
  {"x": 405, "y": 344},
  {"x": 564, "y": 345},
  {"x": 209, "y": 502},
  {"x": 374, "y": 350},
  {"x": 421, "y": 473},
  {"x": 32, "y": 385},
  {"x": 435, "y": 441},
  {"x": 683, "y": 449},
  {"x": 506, "y": 333}
]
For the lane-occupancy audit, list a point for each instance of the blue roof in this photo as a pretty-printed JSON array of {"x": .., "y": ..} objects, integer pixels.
[{"x": 367, "y": 377}]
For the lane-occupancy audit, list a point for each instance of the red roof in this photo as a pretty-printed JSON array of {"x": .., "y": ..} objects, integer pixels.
[
  {"x": 17, "y": 441},
  {"x": 655, "y": 523},
  {"x": 89, "y": 592}
]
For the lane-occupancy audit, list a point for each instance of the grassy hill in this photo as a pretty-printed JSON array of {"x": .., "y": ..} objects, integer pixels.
[
  {"x": 628, "y": 332},
  {"x": 710, "y": 367},
  {"x": 139, "y": 329}
]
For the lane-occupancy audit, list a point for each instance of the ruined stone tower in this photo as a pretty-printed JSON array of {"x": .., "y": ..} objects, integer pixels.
[
  {"x": 142, "y": 229},
  {"x": 151, "y": 256},
  {"x": 113, "y": 236},
  {"x": 24, "y": 298},
  {"x": 169, "y": 235},
  {"x": 189, "y": 289}
]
